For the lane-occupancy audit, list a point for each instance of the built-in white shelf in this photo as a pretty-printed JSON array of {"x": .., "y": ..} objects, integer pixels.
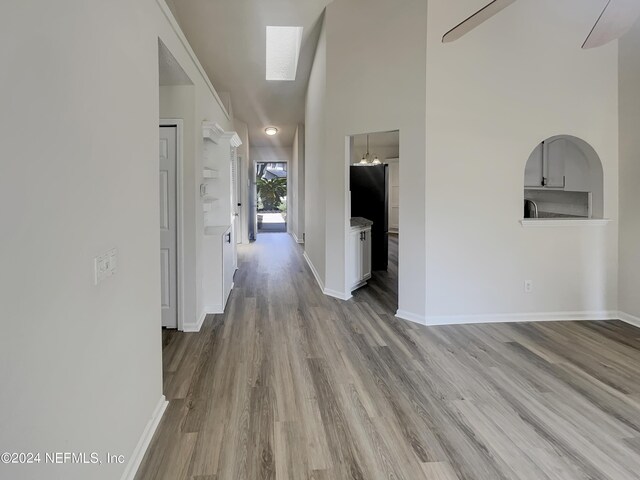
[
  {"x": 212, "y": 131},
  {"x": 209, "y": 173},
  {"x": 207, "y": 203}
]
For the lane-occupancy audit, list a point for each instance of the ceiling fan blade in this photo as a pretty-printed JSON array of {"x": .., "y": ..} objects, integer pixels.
[
  {"x": 476, "y": 19},
  {"x": 614, "y": 21}
]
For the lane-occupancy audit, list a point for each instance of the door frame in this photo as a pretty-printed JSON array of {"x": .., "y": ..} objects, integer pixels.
[{"x": 178, "y": 123}]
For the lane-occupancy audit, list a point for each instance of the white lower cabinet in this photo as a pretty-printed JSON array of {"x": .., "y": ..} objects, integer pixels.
[
  {"x": 228, "y": 265},
  {"x": 219, "y": 268},
  {"x": 359, "y": 265}
]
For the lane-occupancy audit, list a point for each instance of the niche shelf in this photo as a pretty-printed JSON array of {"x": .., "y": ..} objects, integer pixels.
[
  {"x": 210, "y": 173},
  {"x": 207, "y": 203}
]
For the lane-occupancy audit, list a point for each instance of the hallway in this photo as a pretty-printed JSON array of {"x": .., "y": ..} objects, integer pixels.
[{"x": 290, "y": 384}]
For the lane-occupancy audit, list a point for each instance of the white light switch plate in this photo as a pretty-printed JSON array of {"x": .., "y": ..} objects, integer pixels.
[
  {"x": 105, "y": 265},
  {"x": 113, "y": 261}
]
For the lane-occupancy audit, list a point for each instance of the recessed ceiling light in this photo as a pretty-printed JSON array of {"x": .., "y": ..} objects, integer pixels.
[
  {"x": 271, "y": 131},
  {"x": 283, "y": 51}
]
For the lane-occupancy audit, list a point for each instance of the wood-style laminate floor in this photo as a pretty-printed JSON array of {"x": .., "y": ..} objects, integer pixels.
[{"x": 289, "y": 384}]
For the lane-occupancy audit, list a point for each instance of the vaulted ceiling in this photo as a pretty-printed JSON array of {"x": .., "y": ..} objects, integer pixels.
[{"x": 229, "y": 38}]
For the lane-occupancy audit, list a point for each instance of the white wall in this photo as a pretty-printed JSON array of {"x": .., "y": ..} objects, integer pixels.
[
  {"x": 271, "y": 154},
  {"x": 629, "y": 284},
  {"x": 315, "y": 162},
  {"x": 492, "y": 96},
  {"x": 375, "y": 82},
  {"x": 79, "y": 175},
  {"x": 295, "y": 214}
]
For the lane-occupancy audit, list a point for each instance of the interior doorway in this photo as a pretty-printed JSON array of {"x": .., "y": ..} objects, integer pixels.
[
  {"x": 271, "y": 197},
  {"x": 374, "y": 193},
  {"x": 176, "y": 104}
]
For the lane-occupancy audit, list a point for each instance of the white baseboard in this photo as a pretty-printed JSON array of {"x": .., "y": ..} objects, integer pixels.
[
  {"x": 325, "y": 291},
  {"x": 214, "y": 310},
  {"x": 411, "y": 317},
  {"x": 336, "y": 294},
  {"x": 520, "y": 317},
  {"x": 314, "y": 271},
  {"x": 630, "y": 319},
  {"x": 195, "y": 327},
  {"x": 141, "y": 448},
  {"x": 295, "y": 238}
]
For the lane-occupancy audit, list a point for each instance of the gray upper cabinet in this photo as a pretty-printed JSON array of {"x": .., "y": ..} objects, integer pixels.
[
  {"x": 546, "y": 167},
  {"x": 554, "y": 154}
]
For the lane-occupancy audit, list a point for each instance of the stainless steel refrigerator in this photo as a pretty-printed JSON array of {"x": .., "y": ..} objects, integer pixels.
[{"x": 369, "y": 187}]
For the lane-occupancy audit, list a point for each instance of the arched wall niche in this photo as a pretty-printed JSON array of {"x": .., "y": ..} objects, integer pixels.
[{"x": 564, "y": 178}]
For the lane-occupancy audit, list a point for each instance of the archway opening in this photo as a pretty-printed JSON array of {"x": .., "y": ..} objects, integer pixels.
[{"x": 563, "y": 179}]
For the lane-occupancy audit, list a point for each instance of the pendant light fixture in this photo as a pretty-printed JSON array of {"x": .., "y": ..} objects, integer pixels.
[{"x": 365, "y": 157}]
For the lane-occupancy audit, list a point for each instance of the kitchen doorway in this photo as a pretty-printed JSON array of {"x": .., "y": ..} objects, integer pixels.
[{"x": 374, "y": 193}]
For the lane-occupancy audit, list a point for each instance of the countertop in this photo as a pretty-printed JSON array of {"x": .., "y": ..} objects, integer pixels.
[
  {"x": 557, "y": 215},
  {"x": 359, "y": 222}
]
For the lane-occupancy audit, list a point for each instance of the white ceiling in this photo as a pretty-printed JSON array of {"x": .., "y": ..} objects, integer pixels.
[{"x": 229, "y": 38}]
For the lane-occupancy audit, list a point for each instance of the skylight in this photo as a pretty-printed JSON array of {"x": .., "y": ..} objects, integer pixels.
[{"x": 283, "y": 51}]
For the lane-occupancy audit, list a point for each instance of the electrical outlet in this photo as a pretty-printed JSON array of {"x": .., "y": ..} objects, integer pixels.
[{"x": 528, "y": 286}]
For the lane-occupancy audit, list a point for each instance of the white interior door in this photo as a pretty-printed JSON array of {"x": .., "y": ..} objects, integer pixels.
[
  {"x": 394, "y": 195},
  {"x": 168, "y": 227}
]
